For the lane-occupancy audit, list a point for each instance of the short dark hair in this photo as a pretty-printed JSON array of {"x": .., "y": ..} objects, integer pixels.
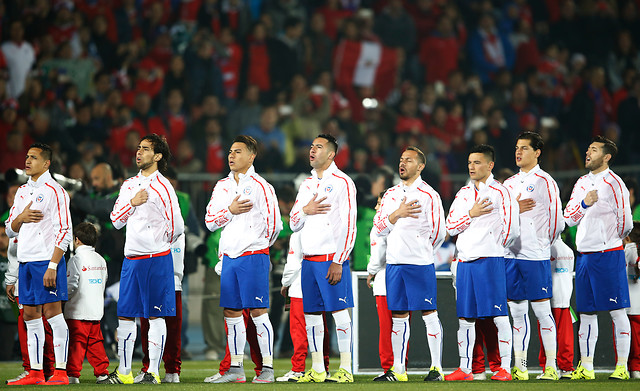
[
  {"x": 417, "y": 150},
  {"x": 160, "y": 145},
  {"x": 86, "y": 233},
  {"x": 486, "y": 150},
  {"x": 47, "y": 152},
  {"x": 250, "y": 142},
  {"x": 609, "y": 146},
  {"x": 534, "y": 139},
  {"x": 332, "y": 141}
]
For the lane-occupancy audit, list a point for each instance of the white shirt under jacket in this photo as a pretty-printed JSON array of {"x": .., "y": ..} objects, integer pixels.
[
  {"x": 378, "y": 262},
  {"x": 562, "y": 264},
  {"x": 291, "y": 274},
  {"x": 254, "y": 230},
  {"x": 542, "y": 225},
  {"x": 487, "y": 235},
  {"x": 335, "y": 231},
  {"x": 411, "y": 241},
  {"x": 603, "y": 225},
  {"x": 36, "y": 241},
  {"x": 86, "y": 280},
  {"x": 153, "y": 226}
]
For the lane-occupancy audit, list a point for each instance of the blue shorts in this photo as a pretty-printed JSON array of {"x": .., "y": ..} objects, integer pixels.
[
  {"x": 481, "y": 288},
  {"x": 528, "y": 280},
  {"x": 318, "y": 295},
  {"x": 31, "y": 288},
  {"x": 147, "y": 288},
  {"x": 411, "y": 287},
  {"x": 244, "y": 282},
  {"x": 601, "y": 281}
]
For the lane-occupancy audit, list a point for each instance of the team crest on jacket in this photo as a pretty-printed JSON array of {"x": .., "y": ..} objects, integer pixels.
[
  {"x": 247, "y": 190},
  {"x": 531, "y": 188},
  {"x": 40, "y": 198},
  {"x": 328, "y": 189}
]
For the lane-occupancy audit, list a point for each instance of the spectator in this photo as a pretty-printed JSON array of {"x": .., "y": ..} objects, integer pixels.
[
  {"x": 175, "y": 118},
  {"x": 624, "y": 56},
  {"x": 246, "y": 112},
  {"x": 270, "y": 139},
  {"x": 318, "y": 47},
  {"x": 257, "y": 60},
  {"x": 439, "y": 52},
  {"x": 286, "y": 54},
  {"x": 395, "y": 27},
  {"x": 489, "y": 49},
  {"x": 20, "y": 57},
  {"x": 203, "y": 75}
]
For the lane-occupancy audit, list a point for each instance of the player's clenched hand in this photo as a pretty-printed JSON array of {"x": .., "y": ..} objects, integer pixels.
[
  {"x": 29, "y": 215},
  {"x": 334, "y": 275},
  {"x": 11, "y": 289},
  {"x": 140, "y": 198},
  {"x": 284, "y": 291},
  {"x": 238, "y": 207},
  {"x": 370, "y": 278},
  {"x": 49, "y": 279},
  {"x": 591, "y": 198},
  {"x": 526, "y": 204},
  {"x": 481, "y": 207},
  {"x": 316, "y": 207}
]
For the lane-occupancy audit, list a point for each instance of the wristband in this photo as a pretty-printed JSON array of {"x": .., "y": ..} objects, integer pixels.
[
  {"x": 585, "y": 206},
  {"x": 53, "y": 266}
]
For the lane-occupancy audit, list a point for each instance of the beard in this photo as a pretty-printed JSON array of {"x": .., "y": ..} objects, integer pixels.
[
  {"x": 144, "y": 165},
  {"x": 594, "y": 164}
]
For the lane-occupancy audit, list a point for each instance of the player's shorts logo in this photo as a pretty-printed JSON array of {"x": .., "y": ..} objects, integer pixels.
[
  {"x": 40, "y": 198},
  {"x": 328, "y": 189},
  {"x": 247, "y": 190},
  {"x": 531, "y": 188}
]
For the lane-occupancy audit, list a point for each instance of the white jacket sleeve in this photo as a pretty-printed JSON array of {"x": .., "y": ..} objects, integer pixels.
[
  {"x": 458, "y": 220},
  {"x": 381, "y": 223},
  {"x": 348, "y": 215},
  {"x": 61, "y": 220},
  {"x": 294, "y": 260},
  {"x": 122, "y": 209},
  {"x": 377, "y": 259},
  {"x": 73, "y": 276},
  {"x": 510, "y": 214},
  {"x": 272, "y": 215},
  {"x": 574, "y": 211},
  {"x": 218, "y": 214},
  {"x": 624, "y": 218},
  {"x": 439, "y": 232},
  {"x": 556, "y": 219}
]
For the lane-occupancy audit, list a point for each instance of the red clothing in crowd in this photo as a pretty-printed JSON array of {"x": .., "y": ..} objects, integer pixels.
[
  {"x": 410, "y": 125},
  {"x": 440, "y": 56},
  {"x": 332, "y": 19},
  {"x": 258, "y": 65},
  {"x": 189, "y": 10},
  {"x": 100, "y": 7},
  {"x": 527, "y": 55},
  {"x": 230, "y": 68},
  {"x": 177, "y": 127},
  {"x": 216, "y": 162}
]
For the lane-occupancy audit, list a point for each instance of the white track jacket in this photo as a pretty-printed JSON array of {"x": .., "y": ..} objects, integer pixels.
[
  {"x": 542, "y": 225},
  {"x": 36, "y": 241},
  {"x": 252, "y": 231},
  {"x": 411, "y": 241},
  {"x": 153, "y": 226},
  {"x": 487, "y": 235},
  {"x": 334, "y": 232},
  {"x": 603, "y": 225}
]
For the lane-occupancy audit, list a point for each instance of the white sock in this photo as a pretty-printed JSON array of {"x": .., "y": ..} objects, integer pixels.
[
  {"x": 126, "y": 333},
  {"x": 504, "y": 341},
  {"x": 343, "y": 332},
  {"x": 548, "y": 332},
  {"x": 521, "y": 331},
  {"x": 35, "y": 342},
  {"x": 466, "y": 341},
  {"x": 157, "y": 339},
  {"x": 622, "y": 335},
  {"x": 236, "y": 339},
  {"x": 434, "y": 337},
  {"x": 60, "y": 340},
  {"x": 587, "y": 338},
  {"x": 315, "y": 336},
  {"x": 400, "y": 332},
  {"x": 264, "y": 329}
]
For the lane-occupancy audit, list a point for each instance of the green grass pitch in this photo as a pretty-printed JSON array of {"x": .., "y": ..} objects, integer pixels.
[{"x": 194, "y": 372}]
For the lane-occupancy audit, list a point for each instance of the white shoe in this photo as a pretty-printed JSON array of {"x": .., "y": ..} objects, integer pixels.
[
  {"x": 20, "y": 376},
  {"x": 171, "y": 378},
  {"x": 101, "y": 378},
  {"x": 290, "y": 376},
  {"x": 635, "y": 374},
  {"x": 74, "y": 380},
  {"x": 138, "y": 377},
  {"x": 480, "y": 376},
  {"x": 213, "y": 378}
]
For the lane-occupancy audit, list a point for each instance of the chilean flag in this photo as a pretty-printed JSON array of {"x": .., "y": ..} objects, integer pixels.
[{"x": 365, "y": 64}]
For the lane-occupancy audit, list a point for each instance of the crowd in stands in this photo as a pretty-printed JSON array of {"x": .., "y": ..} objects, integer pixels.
[{"x": 91, "y": 77}]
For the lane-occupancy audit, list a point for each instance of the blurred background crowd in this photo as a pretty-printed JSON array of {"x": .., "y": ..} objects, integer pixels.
[{"x": 91, "y": 77}]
